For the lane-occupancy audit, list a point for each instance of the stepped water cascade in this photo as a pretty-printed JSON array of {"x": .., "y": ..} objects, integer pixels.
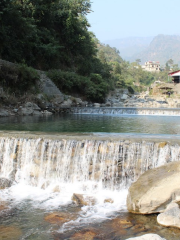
[
  {"x": 110, "y": 164},
  {"x": 127, "y": 111},
  {"x": 45, "y": 172}
]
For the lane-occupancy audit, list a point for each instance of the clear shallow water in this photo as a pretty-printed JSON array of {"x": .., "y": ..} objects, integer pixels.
[{"x": 94, "y": 123}]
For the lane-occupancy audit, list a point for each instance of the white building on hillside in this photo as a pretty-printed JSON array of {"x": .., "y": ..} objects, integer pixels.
[{"x": 151, "y": 66}]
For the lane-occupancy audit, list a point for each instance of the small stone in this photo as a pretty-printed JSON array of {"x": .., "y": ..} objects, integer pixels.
[
  {"x": 108, "y": 200},
  {"x": 170, "y": 217},
  {"x": 56, "y": 189},
  {"x": 162, "y": 144}
]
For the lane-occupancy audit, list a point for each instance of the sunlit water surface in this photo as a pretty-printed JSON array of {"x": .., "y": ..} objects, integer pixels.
[{"x": 94, "y": 123}]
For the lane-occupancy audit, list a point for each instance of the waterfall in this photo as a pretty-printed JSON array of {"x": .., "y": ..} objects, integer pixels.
[
  {"x": 47, "y": 171},
  {"x": 127, "y": 111},
  {"x": 108, "y": 164}
]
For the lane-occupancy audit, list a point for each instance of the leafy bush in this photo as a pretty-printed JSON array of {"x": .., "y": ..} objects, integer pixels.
[
  {"x": 93, "y": 88},
  {"x": 18, "y": 78}
]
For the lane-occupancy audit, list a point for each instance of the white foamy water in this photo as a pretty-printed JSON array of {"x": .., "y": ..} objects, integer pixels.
[
  {"x": 48, "y": 172},
  {"x": 127, "y": 111}
]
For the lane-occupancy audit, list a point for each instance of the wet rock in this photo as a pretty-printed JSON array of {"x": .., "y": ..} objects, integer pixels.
[
  {"x": 84, "y": 235},
  {"x": 13, "y": 156},
  {"x": 155, "y": 189},
  {"x": 82, "y": 200},
  {"x": 59, "y": 218},
  {"x": 162, "y": 144},
  {"x": 5, "y": 183},
  {"x": 10, "y": 233},
  {"x": 139, "y": 228},
  {"x": 148, "y": 236},
  {"x": 56, "y": 189},
  {"x": 122, "y": 223},
  {"x": 108, "y": 200},
  {"x": 170, "y": 217}
]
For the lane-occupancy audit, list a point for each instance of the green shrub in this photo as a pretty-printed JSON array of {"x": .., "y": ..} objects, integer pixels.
[
  {"x": 18, "y": 78},
  {"x": 92, "y": 88}
]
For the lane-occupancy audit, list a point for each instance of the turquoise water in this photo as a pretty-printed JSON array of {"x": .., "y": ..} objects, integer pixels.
[{"x": 93, "y": 123}]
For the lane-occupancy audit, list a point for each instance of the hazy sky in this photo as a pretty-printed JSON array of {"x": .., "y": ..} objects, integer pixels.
[{"x": 114, "y": 19}]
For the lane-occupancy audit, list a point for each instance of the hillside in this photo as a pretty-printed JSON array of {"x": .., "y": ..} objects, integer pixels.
[
  {"x": 110, "y": 53},
  {"x": 162, "y": 48}
]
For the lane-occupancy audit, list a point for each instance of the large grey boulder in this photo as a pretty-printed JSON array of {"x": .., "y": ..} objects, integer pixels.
[
  {"x": 66, "y": 104},
  {"x": 155, "y": 189},
  {"x": 32, "y": 105},
  {"x": 148, "y": 236},
  {"x": 170, "y": 217},
  {"x": 23, "y": 111},
  {"x": 29, "y": 108}
]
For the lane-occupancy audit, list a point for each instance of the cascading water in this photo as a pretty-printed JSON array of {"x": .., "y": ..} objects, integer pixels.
[
  {"x": 111, "y": 164},
  {"x": 47, "y": 172},
  {"x": 127, "y": 111}
]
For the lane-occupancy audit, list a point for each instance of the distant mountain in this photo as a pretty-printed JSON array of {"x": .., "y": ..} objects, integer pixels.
[
  {"x": 130, "y": 46},
  {"x": 162, "y": 48}
]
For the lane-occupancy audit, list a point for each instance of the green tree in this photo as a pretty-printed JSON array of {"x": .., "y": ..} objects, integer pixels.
[
  {"x": 138, "y": 61},
  {"x": 117, "y": 68}
]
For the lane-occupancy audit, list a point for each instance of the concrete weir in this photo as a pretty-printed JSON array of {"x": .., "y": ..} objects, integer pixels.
[
  {"x": 113, "y": 160},
  {"x": 127, "y": 111}
]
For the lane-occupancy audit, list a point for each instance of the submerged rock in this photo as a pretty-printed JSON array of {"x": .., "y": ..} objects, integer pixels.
[
  {"x": 170, "y": 217},
  {"x": 149, "y": 236},
  {"x": 155, "y": 189},
  {"x": 10, "y": 232},
  {"x": 108, "y": 200},
  {"x": 59, "y": 217},
  {"x": 84, "y": 235}
]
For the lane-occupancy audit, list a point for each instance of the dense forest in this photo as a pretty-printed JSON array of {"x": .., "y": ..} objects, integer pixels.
[{"x": 53, "y": 36}]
